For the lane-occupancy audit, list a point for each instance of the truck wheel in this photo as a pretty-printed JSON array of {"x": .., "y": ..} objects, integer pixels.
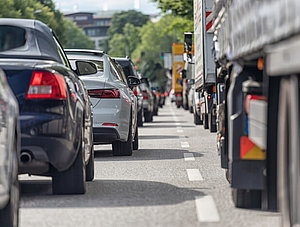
[
  {"x": 205, "y": 121},
  {"x": 147, "y": 116},
  {"x": 90, "y": 167},
  {"x": 71, "y": 181},
  {"x": 246, "y": 198},
  {"x": 140, "y": 118},
  {"x": 197, "y": 120},
  {"x": 123, "y": 148},
  {"x": 9, "y": 215},
  {"x": 135, "y": 143},
  {"x": 288, "y": 177},
  {"x": 212, "y": 123}
]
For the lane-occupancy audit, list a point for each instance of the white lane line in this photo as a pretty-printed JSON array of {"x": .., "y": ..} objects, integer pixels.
[
  {"x": 188, "y": 157},
  {"x": 178, "y": 127},
  {"x": 206, "y": 209},
  {"x": 185, "y": 144},
  {"x": 194, "y": 175},
  {"x": 182, "y": 137},
  {"x": 177, "y": 123},
  {"x": 179, "y": 131}
]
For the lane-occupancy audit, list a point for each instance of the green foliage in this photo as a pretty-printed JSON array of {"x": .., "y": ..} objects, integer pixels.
[
  {"x": 44, "y": 10},
  {"x": 183, "y": 8},
  {"x": 119, "y": 21}
]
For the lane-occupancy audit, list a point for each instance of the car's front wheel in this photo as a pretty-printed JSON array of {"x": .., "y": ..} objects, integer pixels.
[{"x": 136, "y": 140}]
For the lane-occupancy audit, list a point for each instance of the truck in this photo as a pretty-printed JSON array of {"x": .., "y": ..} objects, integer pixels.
[
  {"x": 178, "y": 67},
  {"x": 256, "y": 46},
  {"x": 205, "y": 77}
]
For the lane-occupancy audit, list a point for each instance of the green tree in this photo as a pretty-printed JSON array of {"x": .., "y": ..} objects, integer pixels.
[
  {"x": 183, "y": 8},
  {"x": 118, "y": 46},
  {"x": 119, "y": 20}
]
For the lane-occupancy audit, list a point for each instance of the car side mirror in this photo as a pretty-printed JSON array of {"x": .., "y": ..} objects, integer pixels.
[
  {"x": 133, "y": 81},
  {"x": 85, "y": 68},
  {"x": 191, "y": 81},
  {"x": 144, "y": 81}
]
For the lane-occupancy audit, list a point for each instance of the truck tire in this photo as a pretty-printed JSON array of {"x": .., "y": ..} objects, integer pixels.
[
  {"x": 246, "y": 198},
  {"x": 123, "y": 148},
  {"x": 288, "y": 177},
  {"x": 197, "y": 120},
  {"x": 135, "y": 143},
  {"x": 205, "y": 121},
  {"x": 90, "y": 167},
  {"x": 147, "y": 116},
  {"x": 140, "y": 118},
  {"x": 72, "y": 181},
  {"x": 9, "y": 215}
]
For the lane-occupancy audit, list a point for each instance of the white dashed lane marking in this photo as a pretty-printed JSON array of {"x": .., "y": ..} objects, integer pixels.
[
  {"x": 194, "y": 175},
  {"x": 189, "y": 157},
  {"x": 206, "y": 209},
  {"x": 179, "y": 130},
  {"x": 177, "y": 123},
  {"x": 185, "y": 144}
]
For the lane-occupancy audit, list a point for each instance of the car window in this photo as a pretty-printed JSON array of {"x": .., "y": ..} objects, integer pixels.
[
  {"x": 120, "y": 72},
  {"x": 114, "y": 71},
  {"x": 128, "y": 67},
  {"x": 11, "y": 37},
  {"x": 62, "y": 54}
]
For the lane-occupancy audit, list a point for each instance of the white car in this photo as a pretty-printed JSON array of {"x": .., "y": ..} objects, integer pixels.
[{"x": 114, "y": 103}]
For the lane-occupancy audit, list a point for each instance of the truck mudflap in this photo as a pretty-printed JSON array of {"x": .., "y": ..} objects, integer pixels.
[{"x": 247, "y": 167}]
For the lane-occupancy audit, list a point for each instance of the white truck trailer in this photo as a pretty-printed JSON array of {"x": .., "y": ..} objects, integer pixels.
[
  {"x": 257, "y": 53},
  {"x": 205, "y": 77}
]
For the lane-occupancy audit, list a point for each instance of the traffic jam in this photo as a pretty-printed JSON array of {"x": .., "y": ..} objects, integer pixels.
[{"x": 90, "y": 139}]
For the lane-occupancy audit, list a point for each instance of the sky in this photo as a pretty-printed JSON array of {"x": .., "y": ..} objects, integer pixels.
[{"x": 146, "y": 6}]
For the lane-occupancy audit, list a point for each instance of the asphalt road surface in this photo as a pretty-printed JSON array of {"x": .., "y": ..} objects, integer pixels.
[{"x": 174, "y": 179}]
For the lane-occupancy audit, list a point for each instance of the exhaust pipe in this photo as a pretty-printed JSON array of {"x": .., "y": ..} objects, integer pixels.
[{"x": 25, "y": 157}]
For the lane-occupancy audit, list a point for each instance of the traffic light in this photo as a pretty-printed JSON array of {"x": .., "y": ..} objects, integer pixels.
[{"x": 162, "y": 56}]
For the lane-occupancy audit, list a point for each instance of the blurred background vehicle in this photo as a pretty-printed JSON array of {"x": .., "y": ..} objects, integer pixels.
[
  {"x": 155, "y": 100},
  {"x": 10, "y": 152},
  {"x": 114, "y": 103},
  {"x": 148, "y": 100},
  {"x": 172, "y": 95},
  {"x": 129, "y": 70},
  {"x": 52, "y": 104}
]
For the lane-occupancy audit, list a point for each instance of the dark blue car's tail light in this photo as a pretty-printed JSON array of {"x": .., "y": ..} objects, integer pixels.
[{"x": 47, "y": 85}]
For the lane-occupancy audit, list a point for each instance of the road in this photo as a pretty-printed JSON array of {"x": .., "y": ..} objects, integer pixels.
[{"x": 174, "y": 179}]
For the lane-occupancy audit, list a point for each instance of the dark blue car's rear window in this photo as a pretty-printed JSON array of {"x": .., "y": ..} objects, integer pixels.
[{"x": 11, "y": 37}]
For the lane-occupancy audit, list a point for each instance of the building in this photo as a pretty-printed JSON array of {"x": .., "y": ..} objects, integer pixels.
[{"x": 94, "y": 26}]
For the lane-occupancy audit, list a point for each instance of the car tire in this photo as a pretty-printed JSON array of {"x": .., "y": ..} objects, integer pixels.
[
  {"x": 155, "y": 112},
  {"x": 135, "y": 143},
  {"x": 9, "y": 215},
  {"x": 71, "y": 181},
  {"x": 197, "y": 120},
  {"x": 205, "y": 121},
  {"x": 140, "y": 118},
  {"x": 148, "y": 116},
  {"x": 288, "y": 151},
  {"x": 123, "y": 148},
  {"x": 246, "y": 198},
  {"x": 191, "y": 110},
  {"x": 211, "y": 123},
  {"x": 90, "y": 167}
]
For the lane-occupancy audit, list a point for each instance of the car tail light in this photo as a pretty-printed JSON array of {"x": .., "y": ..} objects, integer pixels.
[
  {"x": 104, "y": 93},
  {"x": 159, "y": 94},
  {"x": 110, "y": 124},
  {"x": 178, "y": 95},
  {"x": 47, "y": 85},
  {"x": 135, "y": 92},
  {"x": 152, "y": 92},
  {"x": 145, "y": 95}
]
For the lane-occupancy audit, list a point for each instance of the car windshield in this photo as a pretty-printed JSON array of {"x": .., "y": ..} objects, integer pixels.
[{"x": 11, "y": 37}]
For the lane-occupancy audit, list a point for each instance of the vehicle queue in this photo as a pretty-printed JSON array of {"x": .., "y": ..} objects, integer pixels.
[{"x": 55, "y": 104}]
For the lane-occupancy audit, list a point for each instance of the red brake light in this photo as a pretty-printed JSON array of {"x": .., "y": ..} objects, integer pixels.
[
  {"x": 110, "y": 124},
  {"x": 145, "y": 95},
  {"x": 178, "y": 95},
  {"x": 159, "y": 94},
  {"x": 153, "y": 93},
  {"x": 47, "y": 85},
  {"x": 104, "y": 93}
]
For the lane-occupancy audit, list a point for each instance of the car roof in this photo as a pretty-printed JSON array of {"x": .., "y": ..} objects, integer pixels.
[
  {"x": 85, "y": 52},
  {"x": 39, "y": 40}
]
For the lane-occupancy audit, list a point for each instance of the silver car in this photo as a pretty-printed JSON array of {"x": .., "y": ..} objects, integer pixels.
[{"x": 114, "y": 103}]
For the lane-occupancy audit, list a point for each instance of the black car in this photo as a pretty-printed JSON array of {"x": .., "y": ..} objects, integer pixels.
[
  {"x": 10, "y": 150},
  {"x": 128, "y": 69},
  {"x": 55, "y": 112}
]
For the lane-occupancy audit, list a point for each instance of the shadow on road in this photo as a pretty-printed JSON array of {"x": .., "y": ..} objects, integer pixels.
[
  {"x": 106, "y": 193},
  {"x": 152, "y": 137},
  {"x": 167, "y": 126},
  {"x": 144, "y": 154},
  {"x": 168, "y": 115}
]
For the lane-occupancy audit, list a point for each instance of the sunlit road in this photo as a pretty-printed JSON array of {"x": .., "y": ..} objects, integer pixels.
[{"x": 174, "y": 179}]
